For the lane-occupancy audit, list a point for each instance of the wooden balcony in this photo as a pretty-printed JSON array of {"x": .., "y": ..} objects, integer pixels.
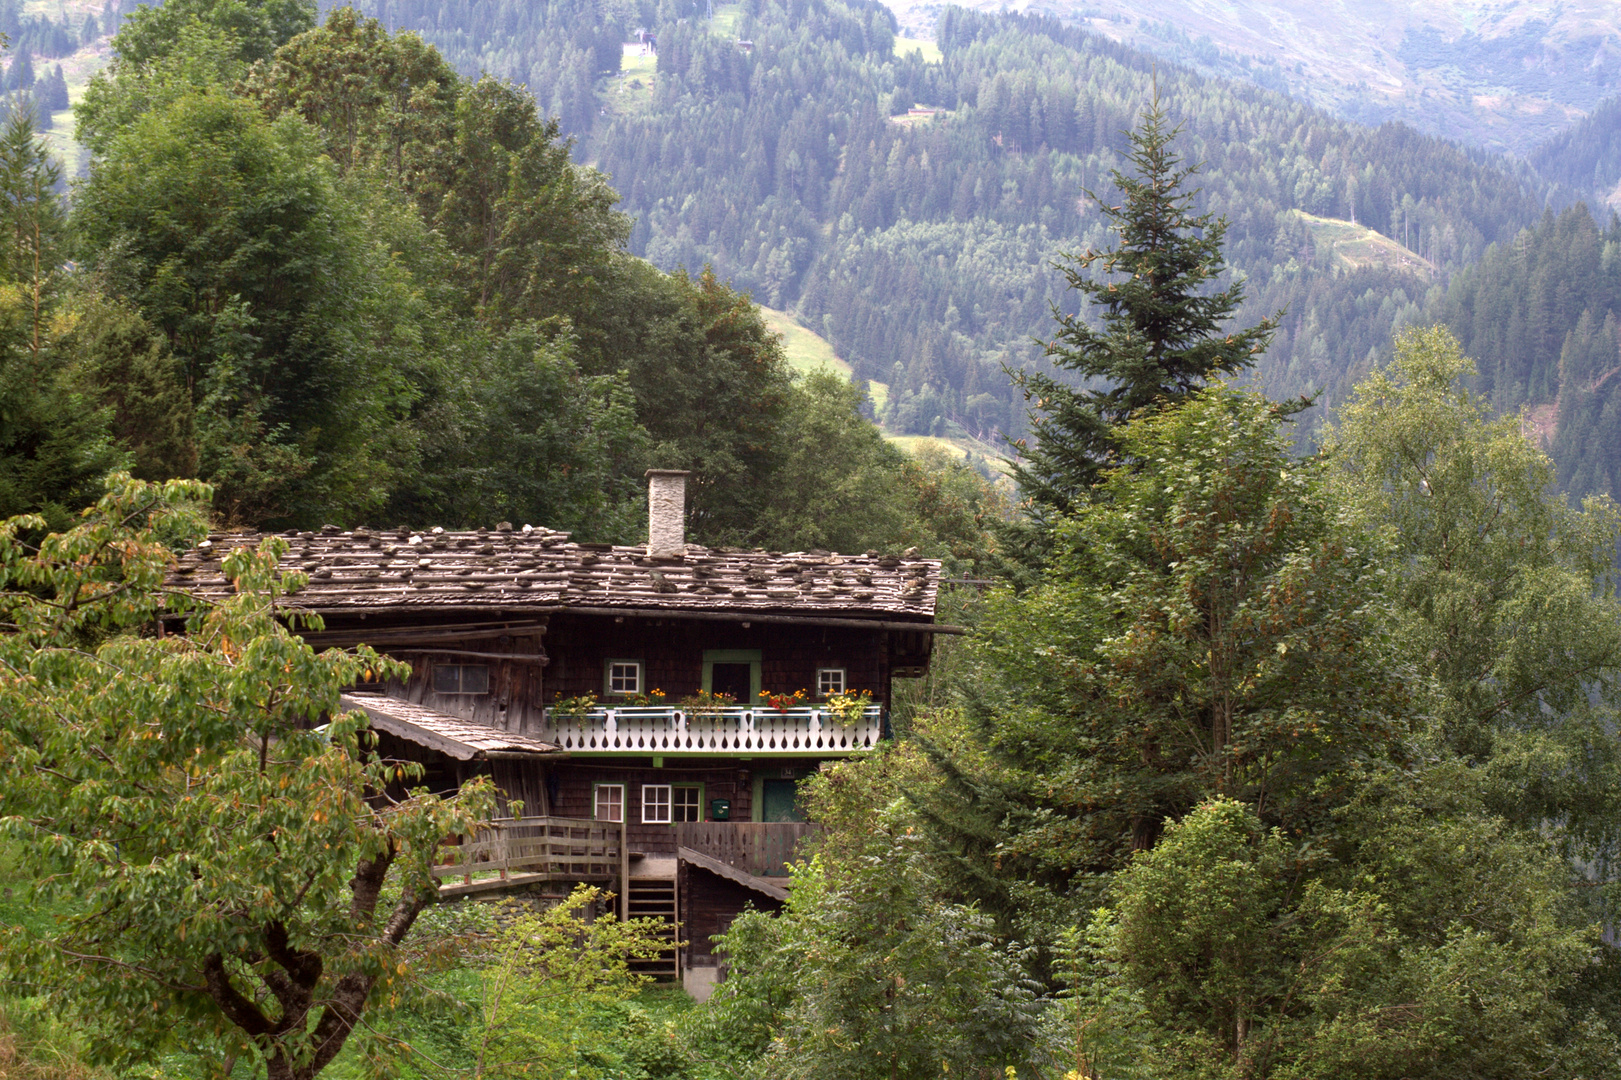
[
  {"x": 761, "y": 731},
  {"x": 534, "y": 850}
]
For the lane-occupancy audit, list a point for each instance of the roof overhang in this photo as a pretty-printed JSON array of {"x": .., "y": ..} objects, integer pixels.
[{"x": 446, "y": 734}]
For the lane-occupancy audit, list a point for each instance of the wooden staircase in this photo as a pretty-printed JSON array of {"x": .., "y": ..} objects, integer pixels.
[{"x": 654, "y": 898}]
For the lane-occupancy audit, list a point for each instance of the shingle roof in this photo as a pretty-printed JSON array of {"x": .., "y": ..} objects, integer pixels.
[
  {"x": 368, "y": 570},
  {"x": 461, "y": 739}
]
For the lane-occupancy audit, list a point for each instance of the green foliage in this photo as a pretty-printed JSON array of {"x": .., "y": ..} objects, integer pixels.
[
  {"x": 510, "y": 404},
  {"x": 869, "y": 974},
  {"x": 1437, "y": 947},
  {"x": 1536, "y": 313},
  {"x": 257, "y": 27},
  {"x": 122, "y": 361},
  {"x": 1207, "y": 630},
  {"x": 1505, "y": 594},
  {"x": 200, "y": 56},
  {"x": 839, "y": 486},
  {"x": 1162, "y": 336},
  {"x": 54, "y": 443},
  {"x": 236, "y": 888},
  {"x": 232, "y": 236},
  {"x": 546, "y": 995}
]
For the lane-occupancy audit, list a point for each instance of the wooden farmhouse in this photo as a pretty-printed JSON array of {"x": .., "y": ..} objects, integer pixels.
[{"x": 635, "y": 705}]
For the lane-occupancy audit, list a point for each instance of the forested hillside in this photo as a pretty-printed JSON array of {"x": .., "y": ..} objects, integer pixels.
[
  {"x": 1539, "y": 316},
  {"x": 921, "y": 246},
  {"x": 320, "y": 270},
  {"x": 1497, "y": 75},
  {"x": 1585, "y": 158}
]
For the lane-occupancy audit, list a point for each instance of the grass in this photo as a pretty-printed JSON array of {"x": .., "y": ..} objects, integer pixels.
[
  {"x": 1357, "y": 246},
  {"x": 632, "y": 89},
  {"x": 809, "y": 351},
  {"x": 993, "y": 456},
  {"x": 806, "y": 349},
  {"x": 930, "y": 51},
  {"x": 724, "y": 24}
]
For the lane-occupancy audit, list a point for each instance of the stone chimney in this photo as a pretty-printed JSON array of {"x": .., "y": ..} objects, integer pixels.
[{"x": 666, "y": 511}]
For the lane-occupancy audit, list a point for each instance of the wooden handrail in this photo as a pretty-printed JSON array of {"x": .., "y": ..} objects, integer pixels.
[{"x": 578, "y": 848}]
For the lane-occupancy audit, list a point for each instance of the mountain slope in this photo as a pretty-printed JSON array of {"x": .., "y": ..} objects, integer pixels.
[
  {"x": 920, "y": 241},
  {"x": 1499, "y": 75}
]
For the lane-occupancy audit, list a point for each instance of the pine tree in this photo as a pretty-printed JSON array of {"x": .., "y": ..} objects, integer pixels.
[{"x": 1161, "y": 336}]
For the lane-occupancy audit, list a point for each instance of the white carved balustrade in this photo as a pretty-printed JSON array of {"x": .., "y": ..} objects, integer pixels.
[{"x": 668, "y": 730}]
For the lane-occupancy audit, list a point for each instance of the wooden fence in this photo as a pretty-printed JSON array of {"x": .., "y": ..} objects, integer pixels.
[
  {"x": 761, "y": 848},
  {"x": 534, "y": 848}
]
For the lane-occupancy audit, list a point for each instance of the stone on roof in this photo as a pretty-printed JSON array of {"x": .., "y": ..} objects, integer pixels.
[{"x": 366, "y": 570}]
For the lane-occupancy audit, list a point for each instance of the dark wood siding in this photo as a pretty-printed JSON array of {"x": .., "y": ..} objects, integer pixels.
[
  {"x": 576, "y": 784},
  {"x": 577, "y": 647},
  {"x": 709, "y": 903}
]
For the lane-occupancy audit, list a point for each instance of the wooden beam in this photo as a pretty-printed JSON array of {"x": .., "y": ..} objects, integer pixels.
[
  {"x": 640, "y": 613},
  {"x": 522, "y": 658},
  {"x": 469, "y": 632},
  {"x": 624, "y": 859},
  {"x": 748, "y": 616}
]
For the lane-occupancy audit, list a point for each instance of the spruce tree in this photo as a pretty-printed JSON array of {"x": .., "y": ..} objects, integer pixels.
[{"x": 1162, "y": 330}]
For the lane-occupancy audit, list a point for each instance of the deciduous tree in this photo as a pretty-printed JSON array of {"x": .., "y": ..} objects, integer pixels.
[{"x": 240, "y": 879}]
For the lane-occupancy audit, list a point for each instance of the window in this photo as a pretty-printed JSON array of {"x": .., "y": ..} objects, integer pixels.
[
  {"x": 656, "y": 803},
  {"x": 829, "y": 680},
  {"x": 733, "y": 671},
  {"x": 461, "y": 679},
  {"x": 663, "y": 804},
  {"x": 610, "y": 802},
  {"x": 624, "y": 677}
]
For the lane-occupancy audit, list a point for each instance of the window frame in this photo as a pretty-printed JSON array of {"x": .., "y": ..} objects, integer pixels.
[
  {"x": 844, "y": 681},
  {"x": 669, "y": 803},
  {"x": 461, "y": 678},
  {"x": 608, "y": 690},
  {"x": 751, "y": 657},
  {"x": 596, "y": 801}
]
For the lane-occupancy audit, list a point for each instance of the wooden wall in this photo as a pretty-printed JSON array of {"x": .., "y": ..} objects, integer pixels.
[
  {"x": 671, "y": 651},
  {"x": 709, "y": 903},
  {"x": 576, "y": 783}
]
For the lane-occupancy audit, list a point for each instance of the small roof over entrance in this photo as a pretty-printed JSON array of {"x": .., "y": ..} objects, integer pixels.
[{"x": 449, "y": 735}]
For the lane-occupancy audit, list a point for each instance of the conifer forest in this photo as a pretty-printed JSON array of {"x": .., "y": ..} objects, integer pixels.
[{"x": 1226, "y": 485}]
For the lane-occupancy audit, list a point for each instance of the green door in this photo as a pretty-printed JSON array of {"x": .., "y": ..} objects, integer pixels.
[{"x": 780, "y": 801}]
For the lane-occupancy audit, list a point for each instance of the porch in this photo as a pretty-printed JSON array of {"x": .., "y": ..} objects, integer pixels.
[
  {"x": 517, "y": 851},
  {"x": 757, "y": 731}
]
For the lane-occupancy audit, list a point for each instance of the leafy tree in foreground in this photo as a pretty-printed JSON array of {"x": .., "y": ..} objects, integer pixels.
[
  {"x": 1209, "y": 631},
  {"x": 241, "y": 883},
  {"x": 871, "y": 974},
  {"x": 1162, "y": 335},
  {"x": 1440, "y": 944},
  {"x": 1506, "y": 594}
]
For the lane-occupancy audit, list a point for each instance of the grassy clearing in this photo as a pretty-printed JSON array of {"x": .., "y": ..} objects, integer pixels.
[
  {"x": 806, "y": 349},
  {"x": 930, "y": 51},
  {"x": 1357, "y": 246},
  {"x": 992, "y": 456},
  {"x": 809, "y": 351},
  {"x": 631, "y": 90},
  {"x": 727, "y": 17}
]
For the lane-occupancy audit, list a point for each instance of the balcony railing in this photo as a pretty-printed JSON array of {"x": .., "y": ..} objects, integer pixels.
[{"x": 665, "y": 730}]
